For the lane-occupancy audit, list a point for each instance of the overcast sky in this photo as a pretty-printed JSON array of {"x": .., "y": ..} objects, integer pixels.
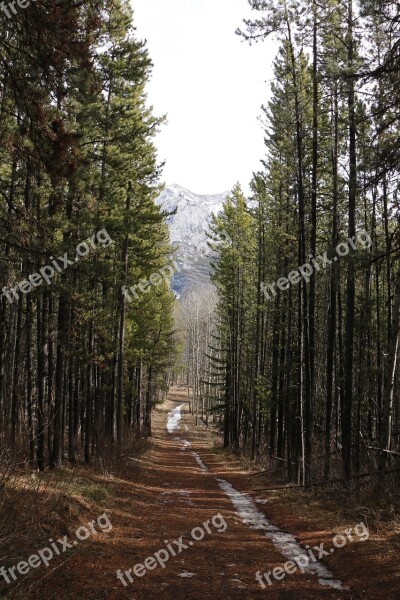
[{"x": 211, "y": 85}]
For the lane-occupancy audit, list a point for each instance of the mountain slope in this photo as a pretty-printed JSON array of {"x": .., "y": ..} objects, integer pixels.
[{"x": 188, "y": 229}]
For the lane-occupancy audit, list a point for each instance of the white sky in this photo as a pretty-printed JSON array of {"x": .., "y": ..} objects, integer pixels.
[{"x": 211, "y": 85}]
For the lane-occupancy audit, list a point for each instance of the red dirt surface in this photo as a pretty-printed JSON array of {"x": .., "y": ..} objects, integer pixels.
[{"x": 163, "y": 495}]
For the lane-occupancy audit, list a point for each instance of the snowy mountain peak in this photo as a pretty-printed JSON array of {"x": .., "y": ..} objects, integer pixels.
[
  {"x": 188, "y": 227},
  {"x": 188, "y": 231}
]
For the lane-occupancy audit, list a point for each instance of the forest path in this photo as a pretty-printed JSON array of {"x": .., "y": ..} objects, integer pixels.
[{"x": 167, "y": 493}]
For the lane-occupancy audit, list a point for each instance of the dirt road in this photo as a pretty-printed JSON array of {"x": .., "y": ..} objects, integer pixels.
[{"x": 183, "y": 528}]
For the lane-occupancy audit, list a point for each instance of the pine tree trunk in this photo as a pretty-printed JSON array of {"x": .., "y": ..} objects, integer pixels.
[
  {"x": 121, "y": 335},
  {"x": 390, "y": 372},
  {"x": 330, "y": 356},
  {"x": 350, "y": 297}
]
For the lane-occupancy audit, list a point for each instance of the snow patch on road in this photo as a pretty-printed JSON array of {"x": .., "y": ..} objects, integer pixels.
[
  {"x": 177, "y": 495},
  {"x": 173, "y": 419},
  {"x": 186, "y": 574},
  {"x": 251, "y": 516},
  {"x": 285, "y": 542},
  {"x": 200, "y": 462}
]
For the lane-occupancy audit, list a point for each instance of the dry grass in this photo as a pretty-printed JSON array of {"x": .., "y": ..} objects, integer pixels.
[{"x": 37, "y": 506}]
